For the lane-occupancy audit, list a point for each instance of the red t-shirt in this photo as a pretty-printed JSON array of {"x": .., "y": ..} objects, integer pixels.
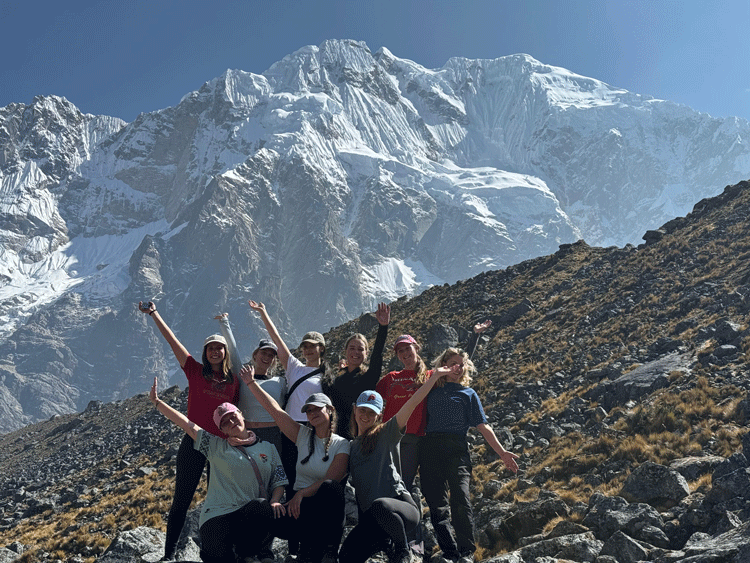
[
  {"x": 396, "y": 388},
  {"x": 204, "y": 396}
]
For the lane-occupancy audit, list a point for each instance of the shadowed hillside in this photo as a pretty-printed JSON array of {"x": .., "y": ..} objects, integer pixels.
[{"x": 611, "y": 370}]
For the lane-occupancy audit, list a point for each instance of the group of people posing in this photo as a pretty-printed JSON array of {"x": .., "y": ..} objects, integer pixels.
[{"x": 280, "y": 448}]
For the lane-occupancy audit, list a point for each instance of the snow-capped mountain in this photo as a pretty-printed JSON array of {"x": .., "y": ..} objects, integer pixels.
[{"x": 335, "y": 179}]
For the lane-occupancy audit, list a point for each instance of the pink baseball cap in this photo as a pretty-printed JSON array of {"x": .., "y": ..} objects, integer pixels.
[
  {"x": 223, "y": 410},
  {"x": 405, "y": 339}
]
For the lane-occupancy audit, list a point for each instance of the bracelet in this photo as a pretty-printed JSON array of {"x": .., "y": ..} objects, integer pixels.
[{"x": 151, "y": 313}]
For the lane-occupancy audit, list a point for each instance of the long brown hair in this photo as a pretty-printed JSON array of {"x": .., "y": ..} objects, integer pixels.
[
  {"x": 226, "y": 367},
  {"x": 333, "y": 419},
  {"x": 370, "y": 438}
]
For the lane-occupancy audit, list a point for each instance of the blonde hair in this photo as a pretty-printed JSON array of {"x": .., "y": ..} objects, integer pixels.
[
  {"x": 469, "y": 369},
  {"x": 271, "y": 369},
  {"x": 361, "y": 337}
]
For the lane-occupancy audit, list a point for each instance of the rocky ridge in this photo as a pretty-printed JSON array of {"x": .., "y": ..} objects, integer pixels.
[{"x": 619, "y": 375}]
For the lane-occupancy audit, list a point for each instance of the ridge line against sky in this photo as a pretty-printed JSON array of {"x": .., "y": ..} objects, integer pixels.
[{"x": 123, "y": 58}]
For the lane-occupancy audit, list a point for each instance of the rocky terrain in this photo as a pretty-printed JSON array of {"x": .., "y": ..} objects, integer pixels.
[
  {"x": 336, "y": 178},
  {"x": 618, "y": 374}
]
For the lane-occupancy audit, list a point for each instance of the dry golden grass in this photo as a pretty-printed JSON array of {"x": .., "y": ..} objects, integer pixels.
[{"x": 145, "y": 504}]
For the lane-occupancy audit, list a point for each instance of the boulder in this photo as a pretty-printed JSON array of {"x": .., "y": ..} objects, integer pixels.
[
  {"x": 8, "y": 556},
  {"x": 691, "y": 468},
  {"x": 141, "y": 544},
  {"x": 732, "y": 546},
  {"x": 575, "y": 547},
  {"x": 643, "y": 380},
  {"x": 624, "y": 548},
  {"x": 608, "y": 515},
  {"x": 655, "y": 484},
  {"x": 730, "y": 481},
  {"x": 530, "y": 518}
]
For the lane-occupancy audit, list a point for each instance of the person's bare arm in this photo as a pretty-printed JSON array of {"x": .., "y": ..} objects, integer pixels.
[
  {"x": 508, "y": 458},
  {"x": 402, "y": 416},
  {"x": 273, "y": 332},
  {"x": 174, "y": 415},
  {"x": 336, "y": 471},
  {"x": 180, "y": 352},
  {"x": 286, "y": 423}
]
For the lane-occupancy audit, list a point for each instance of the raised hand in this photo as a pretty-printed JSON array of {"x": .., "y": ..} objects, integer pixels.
[
  {"x": 257, "y": 306},
  {"x": 444, "y": 371},
  {"x": 247, "y": 374},
  {"x": 152, "y": 396},
  {"x": 148, "y": 309},
  {"x": 479, "y": 328},
  {"x": 383, "y": 314}
]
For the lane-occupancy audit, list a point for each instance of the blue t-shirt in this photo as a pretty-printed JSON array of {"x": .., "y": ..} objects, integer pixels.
[{"x": 453, "y": 408}]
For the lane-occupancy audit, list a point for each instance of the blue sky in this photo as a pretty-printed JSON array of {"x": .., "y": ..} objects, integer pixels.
[{"x": 121, "y": 58}]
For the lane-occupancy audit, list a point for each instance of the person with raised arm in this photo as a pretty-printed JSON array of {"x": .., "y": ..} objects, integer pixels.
[
  {"x": 302, "y": 380},
  {"x": 238, "y": 509},
  {"x": 387, "y": 509},
  {"x": 355, "y": 374},
  {"x": 444, "y": 459},
  {"x": 256, "y": 417},
  {"x": 211, "y": 383},
  {"x": 264, "y": 364},
  {"x": 315, "y": 514}
]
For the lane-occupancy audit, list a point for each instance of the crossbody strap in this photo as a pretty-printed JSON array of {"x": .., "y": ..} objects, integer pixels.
[
  {"x": 297, "y": 383},
  {"x": 261, "y": 484}
]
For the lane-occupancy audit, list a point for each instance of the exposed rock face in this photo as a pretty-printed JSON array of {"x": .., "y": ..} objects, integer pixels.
[{"x": 337, "y": 178}]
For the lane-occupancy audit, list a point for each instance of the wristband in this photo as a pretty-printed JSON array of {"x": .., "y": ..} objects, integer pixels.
[{"x": 151, "y": 313}]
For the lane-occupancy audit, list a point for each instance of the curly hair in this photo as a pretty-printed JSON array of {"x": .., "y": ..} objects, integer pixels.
[{"x": 468, "y": 371}]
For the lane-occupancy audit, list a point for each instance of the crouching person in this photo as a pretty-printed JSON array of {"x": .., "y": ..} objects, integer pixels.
[
  {"x": 246, "y": 485},
  {"x": 315, "y": 513}
]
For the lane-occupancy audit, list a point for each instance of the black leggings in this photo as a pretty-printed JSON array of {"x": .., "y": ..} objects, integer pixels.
[
  {"x": 239, "y": 533},
  {"x": 190, "y": 463},
  {"x": 387, "y": 518},
  {"x": 321, "y": 522}
]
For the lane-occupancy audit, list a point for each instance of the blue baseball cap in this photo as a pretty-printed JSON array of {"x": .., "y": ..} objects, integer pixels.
[{"x": 371, "y": 400}]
